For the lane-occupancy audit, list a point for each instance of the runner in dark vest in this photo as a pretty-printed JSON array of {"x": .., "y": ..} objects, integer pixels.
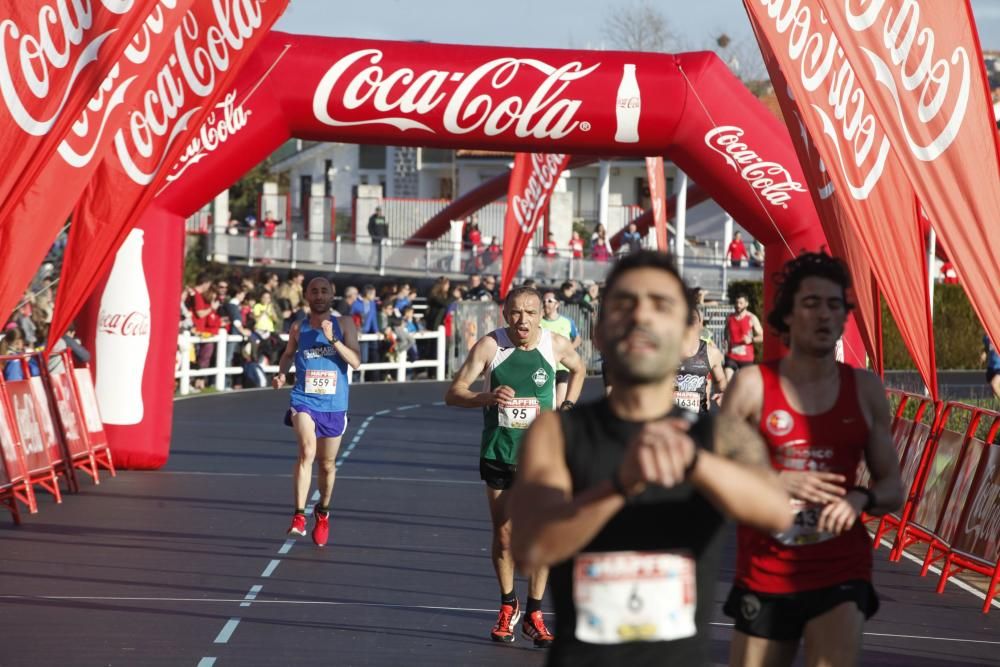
[
  {"x": 698, "y": 369},
  {"x": 626, "y": 498}
]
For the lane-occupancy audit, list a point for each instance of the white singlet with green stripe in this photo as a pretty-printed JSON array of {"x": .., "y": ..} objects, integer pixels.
[{"x": 532, "y": 376}]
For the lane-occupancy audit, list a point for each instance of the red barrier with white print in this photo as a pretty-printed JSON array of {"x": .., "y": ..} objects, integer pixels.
[
  {"x": 911, "y": 444},
  {"x": 32, "y": 424},
  {"x": 86, "y": 444},
  {"x": 97, "y": 439},
  {"x": 15, "y": 486},
  {"x": 976, "y": 542},
  {"x": 953, "y": 490}
]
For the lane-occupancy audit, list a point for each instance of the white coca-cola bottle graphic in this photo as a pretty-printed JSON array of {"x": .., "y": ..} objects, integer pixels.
[
  {"x": 122, "y": 338},
  {"x": 628, "y": 107}
]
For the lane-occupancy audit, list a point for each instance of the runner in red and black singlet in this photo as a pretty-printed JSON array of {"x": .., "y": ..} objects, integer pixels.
[
  {"x": 820, "y": 418},
  {"x": 742, "y": 331}
]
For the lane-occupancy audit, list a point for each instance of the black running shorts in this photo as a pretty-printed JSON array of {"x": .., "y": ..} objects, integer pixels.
[
  {"x": 497, "y": 474},
  {"x": 736, "y": 365},
  {"x": 784, "y": 617}
]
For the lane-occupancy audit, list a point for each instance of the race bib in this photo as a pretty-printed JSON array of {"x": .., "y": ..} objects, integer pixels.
[
  {"x": 321, "y": 382},
  {"x": 805, "y": 527},
  {"x": 738, "y": 349},
  {"x": 689, "y": 400},
  {"x": 519, "y": 413},
  {"x": 630, "y": 596}
]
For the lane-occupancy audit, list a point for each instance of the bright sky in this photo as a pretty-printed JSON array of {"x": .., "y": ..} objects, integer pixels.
[{"x": 539, "y": 23}]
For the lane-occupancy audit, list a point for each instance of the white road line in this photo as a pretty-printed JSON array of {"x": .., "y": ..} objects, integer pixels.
[
  {"x": 936, "y": 570},
  {"x": 213, "y": 474},
  {"x": 315, "y": 495},
  {"x": 407, "y": 407},
  {"x": 937, "y": 639},
  {"x": 251, "y": 596},
  {"x": 438, "y": 404},
  {"x": 227, "y": 631},
  {"x": 382, "y": 412},
  {"x": 206, "y": 662},
  {"x": 386, "y": 605},
  {"x": 286, "y": 547},
  {"x": 269, "y": 570}
]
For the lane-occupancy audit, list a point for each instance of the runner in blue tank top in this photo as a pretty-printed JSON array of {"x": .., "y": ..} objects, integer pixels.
[{"x": 322, "y": 347}]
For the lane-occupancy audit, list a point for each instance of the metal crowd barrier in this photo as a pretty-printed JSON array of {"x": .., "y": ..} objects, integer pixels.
[{"x": 187, "y": 343}]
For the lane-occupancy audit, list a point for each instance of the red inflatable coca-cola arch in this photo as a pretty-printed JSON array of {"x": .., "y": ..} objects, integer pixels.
[{"x": 690, "y": 109}]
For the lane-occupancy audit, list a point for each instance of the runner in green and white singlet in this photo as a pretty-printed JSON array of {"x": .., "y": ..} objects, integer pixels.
[
  {"x": 518, "y": 364},
  {"x": 532, "y": 376}
]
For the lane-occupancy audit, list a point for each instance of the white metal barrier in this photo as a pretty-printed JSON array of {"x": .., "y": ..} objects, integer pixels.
[{"x": 186, "y": 343}]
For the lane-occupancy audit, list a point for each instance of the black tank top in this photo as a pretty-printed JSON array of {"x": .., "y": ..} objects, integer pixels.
[
  {"x": 692, "y": 378},
  {"x": 658, "y": 520}
]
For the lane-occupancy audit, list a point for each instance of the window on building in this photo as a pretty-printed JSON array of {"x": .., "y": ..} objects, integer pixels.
[{"x": 371, "y": 157}]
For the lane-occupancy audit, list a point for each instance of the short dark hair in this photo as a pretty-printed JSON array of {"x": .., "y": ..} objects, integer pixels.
[
  {"x": 806, "y": 265},
  {"x": 521, "y": 291},
  {"x": 294, "y": 273},
  {"x": 567, "y": 285},
  {"x": 649, "y": 259}
]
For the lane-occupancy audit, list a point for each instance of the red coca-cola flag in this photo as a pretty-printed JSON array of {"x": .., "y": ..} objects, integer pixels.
[
  {"x": 842, "y": 244},
  {"x": 54, "y": 56},
  {"x": 532, "y": 181},
  {"x": 211, "y": 44},
  {"x": 863, "y": 194},
  {"x": 920, "y": 68},
  {"x": 658, "y": 199}
]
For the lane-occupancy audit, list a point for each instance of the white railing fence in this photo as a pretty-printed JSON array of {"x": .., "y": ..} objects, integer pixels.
[{"x": 188, "y": 343}]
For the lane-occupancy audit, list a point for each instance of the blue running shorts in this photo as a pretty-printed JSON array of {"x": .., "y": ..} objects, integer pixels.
[{"x": 328, "y": 424}]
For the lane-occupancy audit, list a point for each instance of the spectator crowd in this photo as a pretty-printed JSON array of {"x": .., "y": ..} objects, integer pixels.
[{"x": 256, "y": 308}]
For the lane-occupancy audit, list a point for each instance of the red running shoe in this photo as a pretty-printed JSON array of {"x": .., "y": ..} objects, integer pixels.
[
  {"x": 503, "y": 631},
  {"x": 534, "y": 628},
  {"x": 321, "y": 529},
  {"x": 298, "y": 525}
]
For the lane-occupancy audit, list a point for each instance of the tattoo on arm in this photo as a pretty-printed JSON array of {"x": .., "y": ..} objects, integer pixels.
[{"x": 737, "y": 441}]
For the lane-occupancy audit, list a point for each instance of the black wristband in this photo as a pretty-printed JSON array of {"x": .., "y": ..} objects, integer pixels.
[
  {"x": 870, "y": 503},
  {"x": 616, "y": 484},
  {"x": 692, "y": 463},
  {"x": 567, "y": 405}
]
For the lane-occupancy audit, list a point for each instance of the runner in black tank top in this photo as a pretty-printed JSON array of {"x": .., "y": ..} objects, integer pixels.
[
  {"x": 701, "y": 366},
  {"x": 691, "y": 382},
  {"x": 626, "y": 498},
  {"x": 689, "y": 532}
]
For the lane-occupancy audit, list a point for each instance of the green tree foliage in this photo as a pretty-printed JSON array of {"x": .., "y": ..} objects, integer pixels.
[{"x": 244, "y": 194}]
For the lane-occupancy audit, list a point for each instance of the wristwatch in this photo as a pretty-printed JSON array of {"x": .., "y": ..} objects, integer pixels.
[
  {"x": 870, "y": 503},
  {"x": 567, "y": 405}
]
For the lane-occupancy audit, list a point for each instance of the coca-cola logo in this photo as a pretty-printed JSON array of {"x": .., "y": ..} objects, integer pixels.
[
  {"x": 134, "y": 323},
  {"x": 931, "y": 95},
  {"x": 67, "y": 415},
  {"x": 201, "y": 54},
  {"x": 27, "y": 424},
  {"x": 530, "y": 202},
  {"x": 62, "y": 39},
  {"x": 772, "y": 180},
  {"x": 6, "y": 438},
  {"x": 470, "y": 99},
  {"x": 223, "y": 122},
  {"x": 983, "y": 519},
  {"x": 87, "y": 132},
  {"x": 919, "y": 90}
]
